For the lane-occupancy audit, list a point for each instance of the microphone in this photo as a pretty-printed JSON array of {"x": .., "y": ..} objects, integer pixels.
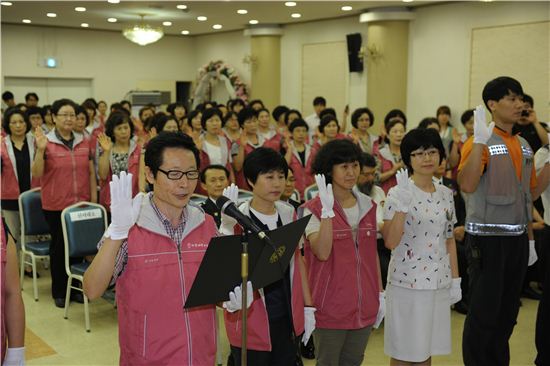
[{"x": 229, "y": 208}]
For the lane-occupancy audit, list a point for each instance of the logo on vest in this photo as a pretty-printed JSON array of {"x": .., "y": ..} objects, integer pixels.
[{"x": 197, "y": 245}]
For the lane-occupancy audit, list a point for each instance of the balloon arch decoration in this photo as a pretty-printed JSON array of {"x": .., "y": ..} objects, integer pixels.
[{"x": 218, "y": 72}]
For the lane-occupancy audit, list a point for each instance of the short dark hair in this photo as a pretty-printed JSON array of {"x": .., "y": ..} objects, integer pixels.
[
  {"x": 58, "y": 104},
  {"x": 420, "y": 139},
  {"x": 291, "y": 111},
  {"x": 256, "y": 101},
  {"x": 278, "y": 111},
  {"x": 158, "y": 121},
  {"x": 172, "y": 107},
  {"x": 444, "y": 109},
  {"x": 90, "y": 105},
  {"x": 34, "y": 110},
  {"x": 333, "y": 153},
  {"x": 263, "y": 109},
  {"x": 358, "y": 113},
  {"x": 468, "y": 113},
  {"x": 368, "y": 160},
  {"x": 90, "y": 101},
  {"x": 326, "y": 120},
  {"x": 80, "y": 109},
  {"x": 263, "y": 160},
  {"x": 392, "y": 114},
  {"x": 194, "y": 113},
  {"x": 394, "y": 122},
  {"x": 427, "y": 122},
  {"x": 125, "y": 101},
  {"x": 7, "y": 95},
  {"x": 327, "y": 112},
  {"x": 228, "y": 116},
  {"x": 233, "y": 102},
  {"x": 298, "y": 122},
  {"x": 116, "y": 119},
  {"x": 529, "y": 99},
  {"x": 245, "y": 114},
  {"x": 500, "y": 87},
  {"x": 10, "y": 112},
  {"x": 213, "y": 167},
  {"x": 164, "y": 140},
  {"x": 102, "y": 101},
  {"x": 29, "y": 95},
  {"x": 319, "y": 101},
  {"x": 209, "y": 113},
  {"x": 142, "y": 110}
]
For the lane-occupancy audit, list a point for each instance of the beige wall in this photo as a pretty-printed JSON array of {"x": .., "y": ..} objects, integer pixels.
[{"x": 266, "y": 72}]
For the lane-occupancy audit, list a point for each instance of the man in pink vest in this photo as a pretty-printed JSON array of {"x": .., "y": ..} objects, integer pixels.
[{"x": 152, "y": 250}]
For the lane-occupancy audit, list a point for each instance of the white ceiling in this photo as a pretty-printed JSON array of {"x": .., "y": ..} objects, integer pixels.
[{"x": 157, "y": 12}]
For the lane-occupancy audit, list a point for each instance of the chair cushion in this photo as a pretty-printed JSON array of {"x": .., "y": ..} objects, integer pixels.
[
  {"x": 80, "y": 268},
  {"x": 39, "y": 247}
]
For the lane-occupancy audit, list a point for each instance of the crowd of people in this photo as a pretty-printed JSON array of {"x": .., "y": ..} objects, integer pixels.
[{"x": 404, "y": 225}]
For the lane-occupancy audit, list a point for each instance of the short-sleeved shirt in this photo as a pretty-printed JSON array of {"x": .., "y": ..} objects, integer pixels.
[{"x": 514, "y": 149}]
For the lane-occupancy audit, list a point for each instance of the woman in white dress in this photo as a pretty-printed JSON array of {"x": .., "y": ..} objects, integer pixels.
[{"x": 423, "y": 277}]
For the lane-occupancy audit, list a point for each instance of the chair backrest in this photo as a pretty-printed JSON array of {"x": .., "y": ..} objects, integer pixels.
[
  {"x": 244, "y": 195},
  {"x": 32, "y": 217},
  {"x": 311, "y": 192},
  {"x": 84, "y": 224},
  {"x": 197, "y": 199}
]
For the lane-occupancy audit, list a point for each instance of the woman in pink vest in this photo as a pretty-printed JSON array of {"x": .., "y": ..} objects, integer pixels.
[
  {"x": 390, "y": 154},
  {"x": 329, "y": 130},
  {"x": 64, "y": 162},
  {"x": 17, "y": 152},
  {"x": 152, "y": 250},
  {"x": 344, "y": 271},
  {"x": 282, "y": 311},
  {"x": 269, "y": 134},
  {"x": 300, "y": 155},
  {"x": 249, "y": 141},
  {"x": 362, "y": 119},
  {"x": 118, "y": 151},
  {"x": 12, "y": 327}
]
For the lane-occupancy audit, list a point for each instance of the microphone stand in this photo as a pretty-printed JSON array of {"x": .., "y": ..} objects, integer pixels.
[{"x": 244, "y": 291}]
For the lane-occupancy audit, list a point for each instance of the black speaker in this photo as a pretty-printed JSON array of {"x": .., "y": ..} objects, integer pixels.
[{"x": 354, "y": 46}]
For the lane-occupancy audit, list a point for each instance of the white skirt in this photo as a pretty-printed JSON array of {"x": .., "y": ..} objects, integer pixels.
[{"x": 417, "y": 323}]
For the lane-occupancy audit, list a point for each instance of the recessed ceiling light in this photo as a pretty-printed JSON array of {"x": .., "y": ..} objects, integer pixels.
[
  {"x": 296, "y": 15},
  {"x": 242, "y": 11},
  {"x": 408, "y": 1},
  {"x": 253, "y": 21},
  {"x": 112, "y": 20},
  {"x": 26, "y": 21},
  {"x": 202, "y": 18},
  {"x": 347, "y": 8},
  {"x": 80, "y": 8},
  {"x": 217, "y": 26},
  {"x": 185, "y": 32},
  {"x": 51, "y": 15},
  {"x": 84, "y": 25},
  {"x": 6, "y": 3},
  {"x": 290, "y": 3},
  {"x": 113, "y": 1},
  {"x": 167, "y": 24},
  {"x": 181, "y": 6}
]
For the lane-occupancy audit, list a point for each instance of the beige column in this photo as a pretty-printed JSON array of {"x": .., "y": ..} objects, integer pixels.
[
  {"x": 265, "y": 52},
  {"x": 386, "y": 61}
]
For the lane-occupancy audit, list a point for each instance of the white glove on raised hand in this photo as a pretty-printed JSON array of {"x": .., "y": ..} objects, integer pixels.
[
  {"x": 309, "y": 323},
  {"x": 227, "y": 222},
  {"x": 482, "y": 132},
  {"x": 326, "y": 195},
  {"x": 236, "y": 296},
  {"x": 381, "y": 310},
  {"x": 121, "y": 205},
  {"x": 402, "y": 192},
  {"x": 532, "y": 253},
  {"x": 14, "y": 357},
  {"x": 456, "y": 291}
]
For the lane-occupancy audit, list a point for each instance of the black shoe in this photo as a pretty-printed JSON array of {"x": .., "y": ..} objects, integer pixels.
[
  {"x": 461, "y": 307},
  {"x": 77, "y": 297},
  {"x": 29, "y": 274},
  {"x": 530, "y": 293},
  {"x": 59, "y": 302},
  {"x": 308, "y": 350}
]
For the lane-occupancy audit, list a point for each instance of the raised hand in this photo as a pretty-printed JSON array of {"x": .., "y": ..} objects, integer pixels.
[
  {"x": 227, "y": 222},
  {"x": 326, "y": 195},
  {"x": 122, "y": 218},
  {"x": 482, "y": 132},
  {"x": 104, "y": 142},
  {"x": 402, "y": 192},
  {"x": 40, "y": 139},
  {"x": 235, "y": 298}
]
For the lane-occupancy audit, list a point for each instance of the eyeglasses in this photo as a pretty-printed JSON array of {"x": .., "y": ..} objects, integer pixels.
[
  {"x": 431, "y": 153},
  {"x": 178, "y": 174},
  {"x": 67, "y": 115}
]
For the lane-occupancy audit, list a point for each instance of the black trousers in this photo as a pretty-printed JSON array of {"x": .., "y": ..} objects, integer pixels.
[
  {"x": 57, "y": 255},
  {"x": 462, "y": 259},
  {"x": 542, "y": 335},
  {"x": 497, "y": 266},
  {"x": 284, "y": 348},
  {"x": 384, "y": 256}
]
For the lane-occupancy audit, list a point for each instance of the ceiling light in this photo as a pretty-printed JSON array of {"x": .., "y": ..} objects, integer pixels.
[
  {"x": 167, "y": 24},
  {"x": 84, "y": 25},
  {"x": 112, "y": 20},
  {"x": 242, "y": 11},
  {"x": 253, "y": 21},
  {"x": 80, "y": 8},
  {"x": 181, "y": 6},
  {"x": 290, "y": 3},
  {"x": 202, "y": 18},
  {"x": 296, "y": 15},
  {"x": 408, "y": 1},
  {"x": 51, "y": 15},
  {"x": 26, "y": 21},
  {"x": 6, "y": 3},
  {"x": 113, "y": 1},
  {"x": 347, "y": 8},
  {"x": 217, "y": 26},
  {"x": 185, "y": 32},
  {"x": 143, "y": 34}
]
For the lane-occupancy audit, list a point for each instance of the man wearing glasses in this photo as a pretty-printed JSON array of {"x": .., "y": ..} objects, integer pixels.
[{"x": 152, "y": 251}]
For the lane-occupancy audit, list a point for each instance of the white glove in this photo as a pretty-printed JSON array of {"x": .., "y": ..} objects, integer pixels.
[
  {"x": 14, "y": 357},
  {"x": 121, "y": 205},
  {"x": 456, "y": 291},
  {"x": 326, "y": 195},
  {"x": 309, "y": 323},
  {"x": 236, "y": 298},
  {"x": 482, "y": 132},
  {"x": 381, "y": 310},
  {"x": 227, "y": 222},
  {"x": 402, "y": 191},
  {"x": 532, "y": 253}
]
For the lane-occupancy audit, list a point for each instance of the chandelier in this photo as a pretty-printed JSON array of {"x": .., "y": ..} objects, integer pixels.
[{"x": 143, "y": 34}]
